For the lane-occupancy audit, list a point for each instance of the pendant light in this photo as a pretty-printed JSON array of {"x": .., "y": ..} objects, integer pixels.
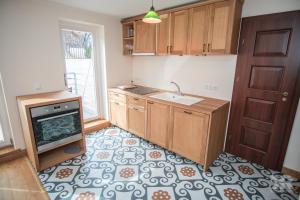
[{"x": 152, "y": 17}]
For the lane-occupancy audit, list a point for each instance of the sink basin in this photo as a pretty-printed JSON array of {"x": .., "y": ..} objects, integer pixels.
[{"x": 185, "y": 100}]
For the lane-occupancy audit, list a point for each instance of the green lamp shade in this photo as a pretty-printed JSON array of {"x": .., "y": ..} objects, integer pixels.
[{"x": 152, "y": 17}]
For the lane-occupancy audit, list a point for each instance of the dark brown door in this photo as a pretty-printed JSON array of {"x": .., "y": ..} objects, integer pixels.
[{"x": 264, "y": 95}]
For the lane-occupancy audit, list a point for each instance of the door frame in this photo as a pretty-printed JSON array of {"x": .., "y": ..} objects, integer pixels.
[
  {"x": 4, "y": 118},
  {"x": 98, "y": 56},
  {"x": 293, "y": 108}
]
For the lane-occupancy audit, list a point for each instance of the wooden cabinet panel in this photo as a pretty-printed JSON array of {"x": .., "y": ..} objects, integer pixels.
[
  {"x": 158, "y": 123},
  {"x": 163, "y": 35},
  {"x": 179, "y": 32},
  {"x": 136, "y": 120},
  {"x": 190, "y": 132},
  {"x": 198, "y": 30},
  {"x": 219, "y": 25},
  {"x": 136, "y": 101},
  {"x": 145, "y": 37},
  {"x": 118, "y": 114}
]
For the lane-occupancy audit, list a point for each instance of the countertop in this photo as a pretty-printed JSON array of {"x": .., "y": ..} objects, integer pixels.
[
  {"x": 208, "y": 105},
  {"x": 47, "y": 98}
]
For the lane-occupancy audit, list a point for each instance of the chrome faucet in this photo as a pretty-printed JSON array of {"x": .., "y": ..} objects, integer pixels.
[{"x": 178, "y": 89}]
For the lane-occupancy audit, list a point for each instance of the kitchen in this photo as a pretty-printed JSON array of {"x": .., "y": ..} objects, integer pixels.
[{"x": 39, "y": 64}]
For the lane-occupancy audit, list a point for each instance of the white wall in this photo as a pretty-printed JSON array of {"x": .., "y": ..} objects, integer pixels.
[
  {"x": 31, "y": 52},
  {"x": 194, "y": 73}
]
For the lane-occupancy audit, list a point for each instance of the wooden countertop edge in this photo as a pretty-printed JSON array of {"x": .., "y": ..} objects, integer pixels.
[
  {"x": 34, "y": 100},
  {"x": 204, "y": 106}
]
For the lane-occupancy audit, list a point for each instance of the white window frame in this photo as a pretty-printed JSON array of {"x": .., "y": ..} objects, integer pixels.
[
  {"x": 4, "y": 118},
  {"x": 99, "y": 59}
]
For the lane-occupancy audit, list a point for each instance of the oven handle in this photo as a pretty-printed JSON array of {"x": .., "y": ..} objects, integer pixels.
[{"x": 63, "y": 115}]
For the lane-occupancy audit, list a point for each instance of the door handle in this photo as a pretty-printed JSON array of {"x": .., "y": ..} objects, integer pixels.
[
  {"x": 187, "y": 112},
  {"x": 285, "y": 94}
]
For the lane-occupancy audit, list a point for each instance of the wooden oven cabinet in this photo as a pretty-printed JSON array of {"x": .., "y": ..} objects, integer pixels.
[{"x": 52, "y": 157}]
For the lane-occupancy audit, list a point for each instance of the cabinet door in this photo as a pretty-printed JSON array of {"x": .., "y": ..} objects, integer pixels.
[
  {"x": 136, "y": 120},
  {"x": 219, "y": 25},
  {"x": 118, "y": 114},
  {"x": 145, "y": 35},
  {"x": 198, "y": 30},
  {"x": 158, "y": 123},
  {"x": 190, "y": 130},
  {"x": 163, "y": 35},
  {"x": 179, "y": 32}
]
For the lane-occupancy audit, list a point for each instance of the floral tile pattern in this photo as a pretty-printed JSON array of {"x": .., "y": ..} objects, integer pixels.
[{"x": 119, "y": 165}]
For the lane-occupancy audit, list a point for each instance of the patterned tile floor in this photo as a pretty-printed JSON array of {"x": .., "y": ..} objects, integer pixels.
[{"x": 119, "y": 165}]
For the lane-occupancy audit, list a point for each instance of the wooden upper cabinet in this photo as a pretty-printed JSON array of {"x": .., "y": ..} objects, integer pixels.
[
  {"x": 179, "y": 32},
  {"x": 158, "y": 123},
  {"x": 202, "y": 28},
  {"x": 145, "y": 37},
  {"x": 198, "y": 30},
  {"x": 218, "y": 38},
  {"x": 163, "y": 35},
  {"x": 190, "y": 132}
]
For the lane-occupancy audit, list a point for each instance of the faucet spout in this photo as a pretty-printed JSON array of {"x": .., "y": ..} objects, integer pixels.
[{"x": 178, "y": 88}]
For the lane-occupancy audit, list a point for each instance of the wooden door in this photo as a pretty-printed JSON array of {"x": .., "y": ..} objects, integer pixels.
[
  {"x": 198, "y": 30},
  {"x": 218, "y": 28},
  {"x": 190, "y": 130},
  {"x": 118, "y": 114},
  {"x": 163, "y": 35},
  {"x": 265, "y": 96},
  {"x": 145, "y": 37},
  {"x": 136, "y": 120},
  {"x": 179, "y": 32},
  {"x": 158, "y": 123}
]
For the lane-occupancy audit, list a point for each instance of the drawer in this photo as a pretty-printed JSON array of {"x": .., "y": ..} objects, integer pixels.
[
  {"x": 116, "y": 97},
  {"x": 136, "y": 101}
]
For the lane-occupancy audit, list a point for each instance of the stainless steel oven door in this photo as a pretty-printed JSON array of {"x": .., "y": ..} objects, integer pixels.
[{"x": 56, "y": 128}]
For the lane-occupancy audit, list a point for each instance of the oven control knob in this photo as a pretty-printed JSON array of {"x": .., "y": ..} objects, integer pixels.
[{"x": 66, "y": 106}]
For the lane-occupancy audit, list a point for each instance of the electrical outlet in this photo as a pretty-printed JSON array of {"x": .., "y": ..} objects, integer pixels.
[{"x": 211, "y": 87}]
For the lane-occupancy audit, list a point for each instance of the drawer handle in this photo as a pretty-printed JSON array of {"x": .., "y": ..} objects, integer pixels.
[
  {"x": 116, "y": 103},
  {"x": 187, "y": 112},
  {"x": 136, "y": 99},
  {"x": 150, "y": 102}
]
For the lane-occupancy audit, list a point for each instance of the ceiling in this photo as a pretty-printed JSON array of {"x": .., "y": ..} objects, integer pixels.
[{"x": 122, "y": 8}]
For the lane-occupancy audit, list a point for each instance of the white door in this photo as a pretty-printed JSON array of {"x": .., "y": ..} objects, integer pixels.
[
  {"x": 4, "y": 123},
  {"x": 82, "y": 70}
]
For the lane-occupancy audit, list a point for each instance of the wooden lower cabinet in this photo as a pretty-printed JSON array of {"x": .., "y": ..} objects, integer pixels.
[
  {"x": 136, "y": 120},
  {"x": 118, "y": 114},
  {"x": 158, "y": 121},
  {"x": 193, "y": 133},
  {"x": 190, "y": 131}
]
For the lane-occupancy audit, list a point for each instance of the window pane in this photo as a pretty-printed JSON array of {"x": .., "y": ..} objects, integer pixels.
[{"x": 80, "y": 76}]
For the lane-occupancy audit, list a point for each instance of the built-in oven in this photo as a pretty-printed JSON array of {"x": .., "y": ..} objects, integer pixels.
[{"x": 56, "y": 125}]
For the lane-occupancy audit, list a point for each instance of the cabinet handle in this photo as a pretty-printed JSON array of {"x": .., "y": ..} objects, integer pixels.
[
  {"x": 168, "y": 49},
  {"x": 171, "y": 49},
  {"x": 204, "y": 47},
  {"x": 136, "y": 99},
  {"x": 150, "y": 102},
  {"x": 187, "y": 112},
  {"x": 208, "y": 48},
  {"x": 116, "y": 103}
]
